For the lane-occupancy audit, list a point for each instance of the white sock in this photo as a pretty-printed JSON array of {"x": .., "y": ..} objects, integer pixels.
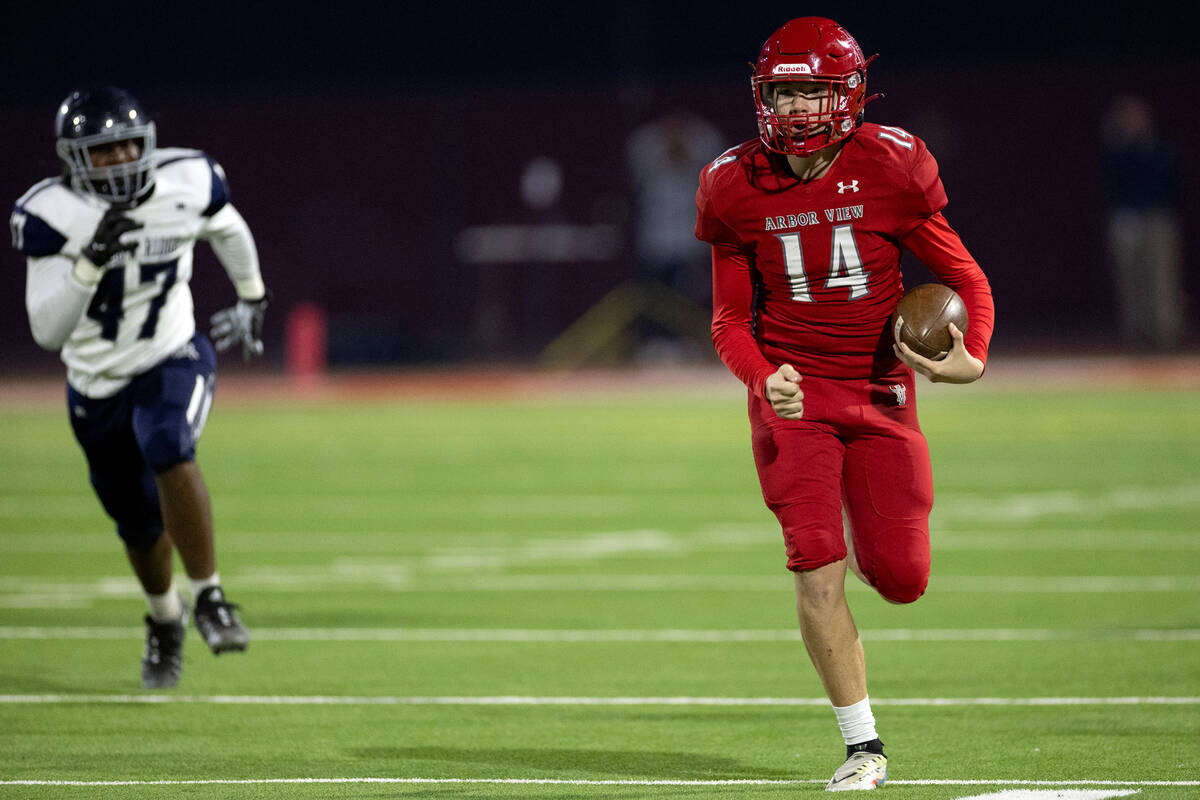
[
  {"x": 856, "y": 721},
  {"x": 165, "y": 607},
  {"x": 199, "y": 586}
]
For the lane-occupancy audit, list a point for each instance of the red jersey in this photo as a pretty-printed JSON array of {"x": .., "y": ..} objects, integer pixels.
[{"x": 808, "y": 272}]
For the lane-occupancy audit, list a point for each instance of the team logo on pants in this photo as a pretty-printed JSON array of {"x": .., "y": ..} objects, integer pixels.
[{"x": 901, "y": 392}]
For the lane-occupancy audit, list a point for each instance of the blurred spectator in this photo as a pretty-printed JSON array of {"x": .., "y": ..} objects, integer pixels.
[
  {"x": 664, "y": 157},
  {"x": 1143, "y": 182},
  {"x": 512, "y": 284},
  {"x": 527, "y": 262},
  {"x": 662, "y": 314}
]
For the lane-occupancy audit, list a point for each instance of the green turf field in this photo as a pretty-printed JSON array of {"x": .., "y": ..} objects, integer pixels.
[{"x": 585, "y": 597}]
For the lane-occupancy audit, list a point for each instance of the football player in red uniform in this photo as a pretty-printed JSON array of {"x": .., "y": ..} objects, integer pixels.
[{"x": 806, "y": 225}]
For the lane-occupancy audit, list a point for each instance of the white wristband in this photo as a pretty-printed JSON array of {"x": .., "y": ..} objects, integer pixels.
[
  {"x": 251, "y": 288},
  {"x": 86, "y": 272}
]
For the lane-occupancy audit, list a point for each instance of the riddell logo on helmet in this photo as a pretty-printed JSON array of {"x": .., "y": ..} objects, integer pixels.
[{"x": 791, "y": 69}]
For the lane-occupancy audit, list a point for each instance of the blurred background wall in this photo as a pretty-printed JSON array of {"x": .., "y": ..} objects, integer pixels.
[{"x": 450, "y": 183}]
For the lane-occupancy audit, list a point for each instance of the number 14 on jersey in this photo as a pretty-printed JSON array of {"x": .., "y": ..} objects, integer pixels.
[{"x": 845, "y": 265}]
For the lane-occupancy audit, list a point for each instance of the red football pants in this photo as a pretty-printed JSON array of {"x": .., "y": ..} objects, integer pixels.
[{"x": 859, "y": 444}]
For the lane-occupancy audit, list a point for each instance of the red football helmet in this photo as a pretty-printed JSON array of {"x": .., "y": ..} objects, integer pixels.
[{"x": 811, "y": 50}]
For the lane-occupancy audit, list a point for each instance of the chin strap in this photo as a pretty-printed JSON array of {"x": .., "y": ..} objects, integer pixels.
[{"x": 877, "y": 96}]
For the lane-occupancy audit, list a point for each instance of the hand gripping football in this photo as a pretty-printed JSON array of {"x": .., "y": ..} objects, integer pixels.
[{"x": 922, "y": 316}]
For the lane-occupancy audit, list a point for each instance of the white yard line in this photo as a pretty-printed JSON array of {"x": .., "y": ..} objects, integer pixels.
[
  {"x": 524, "y": 700},
  {"x": 583, "y": 782},
  {"x": 630, "y": 636},
  {"x": 38, "y": 592},
  {"x": 386, "y": 544},
  {"x": 1027, "y": 506},
  {"x": 1011, "y": 507}
]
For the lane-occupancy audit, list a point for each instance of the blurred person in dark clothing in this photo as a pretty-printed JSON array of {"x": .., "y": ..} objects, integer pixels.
[
  {"x": 1144, "y": 192},
  {"x": 663, "y": 156}
]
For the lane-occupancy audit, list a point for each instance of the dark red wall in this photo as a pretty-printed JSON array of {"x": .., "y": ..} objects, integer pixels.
[{"x": 355, "y": 198}]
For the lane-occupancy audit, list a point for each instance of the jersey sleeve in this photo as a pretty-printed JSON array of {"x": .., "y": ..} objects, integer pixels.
[
  {"x": 219, "y": 191},
  {"x": 204, "y": 178},
  {"x": 940, "y": 248},
  {"x": 54, "y": 299},
  {"x": 733, "y": 318},
  {"x": 33, "y": 236},
  {"x": 230, "y": 238},
  {"x": 49, "y": 227},
  {"x": 924, "y": 194},
  {"x": 709, "y": 226},
  {"x": 222, "y": 226}
]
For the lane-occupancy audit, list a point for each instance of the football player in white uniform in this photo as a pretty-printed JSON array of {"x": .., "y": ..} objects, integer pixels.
[{"x": 109, "y": 254}]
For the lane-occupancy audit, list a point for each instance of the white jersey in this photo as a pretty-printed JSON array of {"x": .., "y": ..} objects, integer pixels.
[{"x": 140, "y": 312}]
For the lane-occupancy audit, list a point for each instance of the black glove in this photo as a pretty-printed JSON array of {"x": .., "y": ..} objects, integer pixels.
[
  {"x": 106, "y": 241},
  {"x": 240, "y": 323}
]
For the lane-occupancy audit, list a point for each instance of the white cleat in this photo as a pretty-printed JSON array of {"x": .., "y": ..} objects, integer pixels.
[{"x": 862, "y": 771}]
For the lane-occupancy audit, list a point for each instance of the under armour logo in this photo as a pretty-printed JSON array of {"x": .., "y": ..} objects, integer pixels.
[
  {"x": 844, "y": 187},
  {"x": 901, "y": 392}
]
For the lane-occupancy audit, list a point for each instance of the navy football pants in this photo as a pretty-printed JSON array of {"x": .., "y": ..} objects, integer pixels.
[{"x": 148, "y": 427}]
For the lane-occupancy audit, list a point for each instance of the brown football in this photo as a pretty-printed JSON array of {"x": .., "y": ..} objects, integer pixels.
[{"x": 921, "y": 318}]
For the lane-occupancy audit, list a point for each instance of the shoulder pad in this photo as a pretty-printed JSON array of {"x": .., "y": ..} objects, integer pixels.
[
  {"x": 219, "y": 195},
  {"x": 200, "y": 171},
  {"x": 33, "y": 236},
  {"x": 165, "y": 156},
  {"x": 893, "y": 143},
  {"x": 45, "y": 217},
  {"x": 731, "y": 155}
]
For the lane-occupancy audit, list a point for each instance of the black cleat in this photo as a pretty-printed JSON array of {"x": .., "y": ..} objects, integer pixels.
[
  {"x": 163, "y": 660},
  {"x": 218, "y": 624}
]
